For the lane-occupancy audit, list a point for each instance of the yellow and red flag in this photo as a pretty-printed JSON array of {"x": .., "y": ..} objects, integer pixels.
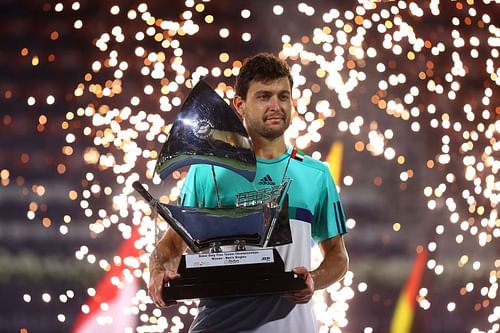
[{"x": 404, "y": 312}]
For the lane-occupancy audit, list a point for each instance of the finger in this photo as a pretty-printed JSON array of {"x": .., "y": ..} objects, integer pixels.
[
  {"x": 306, "y": 276},
  {"x": 296, "y": 299},
  {"x": 155, "y": 290},
  {"x": 169, "y": 275},
  {"x": 302, "y": 271},
  {"x": 302, "y": 297},
  {"x": 303, "y": 294},
  {"x": 155, "y": 295},
  {"x": 151, "y": 293},
  {"x": 159, "y": 297},
  {"x": 159, "y": 292}
]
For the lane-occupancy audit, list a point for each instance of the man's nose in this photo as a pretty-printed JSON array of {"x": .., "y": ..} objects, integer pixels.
[{"x": 274, "y": 103}]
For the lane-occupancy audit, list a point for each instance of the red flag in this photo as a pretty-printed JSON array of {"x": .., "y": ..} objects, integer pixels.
[{"x": 108, "y": 311}]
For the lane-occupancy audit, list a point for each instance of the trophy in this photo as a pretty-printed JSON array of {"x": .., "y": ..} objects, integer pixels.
[{"x": 208, "y": 131}]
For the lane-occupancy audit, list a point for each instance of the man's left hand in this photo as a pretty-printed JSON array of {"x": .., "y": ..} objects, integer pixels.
[{"x": 302, "y": 296}]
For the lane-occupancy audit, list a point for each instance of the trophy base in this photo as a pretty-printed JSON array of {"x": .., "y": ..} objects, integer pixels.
[
  {"x": 286, "y": 283},
  {"x": 232, "y": 277}
]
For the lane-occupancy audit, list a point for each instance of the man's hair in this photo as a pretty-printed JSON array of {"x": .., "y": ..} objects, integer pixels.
[{"x": 261, "y": 67}]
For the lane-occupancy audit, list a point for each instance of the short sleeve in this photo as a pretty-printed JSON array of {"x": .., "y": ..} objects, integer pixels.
[{"x": 329, "y": 218}]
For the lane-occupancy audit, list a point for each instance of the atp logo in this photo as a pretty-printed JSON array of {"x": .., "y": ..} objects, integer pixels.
[{"x": 203, "y": 129}]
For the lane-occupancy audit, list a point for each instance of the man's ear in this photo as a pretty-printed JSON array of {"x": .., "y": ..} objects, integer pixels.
[{"x": 239, "y": 105}]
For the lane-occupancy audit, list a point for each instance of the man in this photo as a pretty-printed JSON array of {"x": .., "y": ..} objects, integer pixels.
[{"x": 263, "y": 99}]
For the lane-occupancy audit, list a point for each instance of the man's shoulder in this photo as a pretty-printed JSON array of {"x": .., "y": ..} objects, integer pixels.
[{"x": 308, "y": 162}]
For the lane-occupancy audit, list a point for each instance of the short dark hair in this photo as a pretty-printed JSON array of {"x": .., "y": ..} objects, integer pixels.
[{"x": 261, "y": 67}]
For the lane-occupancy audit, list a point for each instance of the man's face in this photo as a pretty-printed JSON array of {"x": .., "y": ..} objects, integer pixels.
[{"x": 267, "y": 108}]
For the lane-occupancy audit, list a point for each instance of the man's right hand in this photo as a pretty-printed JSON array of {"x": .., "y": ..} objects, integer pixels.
[{"x": 156, "y": 281}]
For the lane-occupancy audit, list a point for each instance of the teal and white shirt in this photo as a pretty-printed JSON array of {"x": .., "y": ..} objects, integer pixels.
[{"x": 315, "y": 214}]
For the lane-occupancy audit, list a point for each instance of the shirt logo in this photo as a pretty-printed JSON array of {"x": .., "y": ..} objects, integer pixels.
[{"x": 266, "y": 180}]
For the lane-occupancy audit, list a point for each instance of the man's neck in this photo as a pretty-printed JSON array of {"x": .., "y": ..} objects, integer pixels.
[{"x": 269, "y": 149}]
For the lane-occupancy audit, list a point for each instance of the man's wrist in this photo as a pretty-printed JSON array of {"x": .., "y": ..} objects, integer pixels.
[
  {"x": 315, "y": 276},
  {"x": 156, "y": 267}
]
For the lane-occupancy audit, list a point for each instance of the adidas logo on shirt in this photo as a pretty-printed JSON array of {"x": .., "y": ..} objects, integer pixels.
[{"x": 266, "y": 180}]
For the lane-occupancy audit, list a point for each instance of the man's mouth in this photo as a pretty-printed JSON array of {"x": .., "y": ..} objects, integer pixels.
[{"x": 274, "y": 118}]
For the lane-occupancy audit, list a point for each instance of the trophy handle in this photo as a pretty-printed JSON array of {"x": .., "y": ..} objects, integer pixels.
[
  {"x": 143, "y": 192},
  {"x": 167, "y": 216}
]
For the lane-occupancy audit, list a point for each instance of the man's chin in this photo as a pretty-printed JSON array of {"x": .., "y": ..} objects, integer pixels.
[{"x": 273, "y": 133}]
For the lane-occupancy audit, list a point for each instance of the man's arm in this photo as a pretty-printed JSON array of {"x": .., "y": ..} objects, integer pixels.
[
  {"x": 163, "y": 264},
  {"x": 334, "y": 265},
  {"x": 332, "y": 268}
]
